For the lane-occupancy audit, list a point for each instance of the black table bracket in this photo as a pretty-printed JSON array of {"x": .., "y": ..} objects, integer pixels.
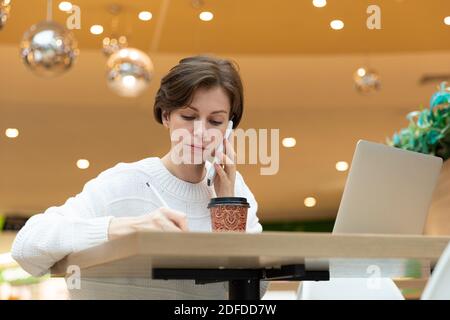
[{"x": 243, "y": 283}]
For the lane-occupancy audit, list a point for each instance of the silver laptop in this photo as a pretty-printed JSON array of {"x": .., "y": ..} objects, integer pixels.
[{"x": 388, "y": 190}]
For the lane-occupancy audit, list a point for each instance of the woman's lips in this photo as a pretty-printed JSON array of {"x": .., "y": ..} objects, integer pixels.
[{"x": 197, "y": 147}]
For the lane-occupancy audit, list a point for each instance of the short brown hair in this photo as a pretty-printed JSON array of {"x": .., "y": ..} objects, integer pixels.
[{"x": 179, "y": 85}]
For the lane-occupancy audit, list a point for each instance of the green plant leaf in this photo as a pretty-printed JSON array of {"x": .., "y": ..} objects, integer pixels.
[
  {"x": 433, "y": 137},
  {"x": 428, "y": 129},
  {"x": 439, "y": 98}
]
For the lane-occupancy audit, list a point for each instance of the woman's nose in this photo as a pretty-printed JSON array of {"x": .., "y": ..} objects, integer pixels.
[{"x": 200, "y": 129}]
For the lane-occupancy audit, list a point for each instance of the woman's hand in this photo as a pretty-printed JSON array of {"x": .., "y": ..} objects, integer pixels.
[
  {"x": 162, "y": 219},
  {"x": 226, "y": 175}
]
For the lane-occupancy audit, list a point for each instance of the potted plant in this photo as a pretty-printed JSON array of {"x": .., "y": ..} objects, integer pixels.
[{"x": 429, "y": 132}]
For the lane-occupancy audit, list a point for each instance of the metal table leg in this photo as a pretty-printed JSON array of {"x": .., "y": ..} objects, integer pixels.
[
  {"x": 243, "y": 289},
  {"x": 243, "y": 283}
]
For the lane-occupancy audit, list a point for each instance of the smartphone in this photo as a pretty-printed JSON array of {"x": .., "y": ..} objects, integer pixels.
[{"x": 212, "y": 170}]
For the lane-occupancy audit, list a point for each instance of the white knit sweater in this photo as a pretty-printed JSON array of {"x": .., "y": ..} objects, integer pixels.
[{"x": 82, "y": 222}]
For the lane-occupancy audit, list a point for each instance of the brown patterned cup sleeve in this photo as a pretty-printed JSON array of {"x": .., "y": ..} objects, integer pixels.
[{"x": 229, "y": 217}]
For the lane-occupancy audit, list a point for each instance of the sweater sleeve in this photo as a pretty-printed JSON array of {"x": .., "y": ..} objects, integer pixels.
[
  {"x": 81, "y": 222},
  {"x": 242, "y": 190}
]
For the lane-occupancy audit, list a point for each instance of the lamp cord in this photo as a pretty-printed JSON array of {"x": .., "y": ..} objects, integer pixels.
[{"x": 49, "y": 10}]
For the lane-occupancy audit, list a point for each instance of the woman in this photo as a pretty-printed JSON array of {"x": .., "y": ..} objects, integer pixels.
[{"x": 198, "y": 94}]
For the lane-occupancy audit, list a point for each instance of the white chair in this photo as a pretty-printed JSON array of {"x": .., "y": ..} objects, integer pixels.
[
  {"x": 350, "y": 289},
  {"x": 438, "y": 286}
]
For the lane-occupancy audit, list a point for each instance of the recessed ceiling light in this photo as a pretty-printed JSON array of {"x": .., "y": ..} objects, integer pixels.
[
  {"x": 447, "y": 20},
  {"x": 341, "y": 166},
  {"x": 65, "y": 6},
  {"x": 288, "y": 142},
  {"x": 145, "y": 15},
  {"x": 337, "y": 24},
  {"x": 97, "y": 29},
  {"x": 361, "y": 72},
  {"x": 206, "y": 16},
  {"x": 12, "y": 133},
  {"x": 83, "y": 164},
  {"x": 319, "y": 3},
  {"x": 310, "y": 202}
]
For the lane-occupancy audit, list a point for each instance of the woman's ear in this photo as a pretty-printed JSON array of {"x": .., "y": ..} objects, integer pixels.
[{"x": 165, "y": 118}]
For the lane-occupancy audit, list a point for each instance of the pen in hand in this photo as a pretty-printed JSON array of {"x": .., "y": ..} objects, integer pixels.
[
  {"x": 164, "y": 218},
  {"x": 160, "y": 199}
]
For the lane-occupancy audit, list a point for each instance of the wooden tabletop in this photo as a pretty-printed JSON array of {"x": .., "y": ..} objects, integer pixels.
[{"x": 344, "y": 254}]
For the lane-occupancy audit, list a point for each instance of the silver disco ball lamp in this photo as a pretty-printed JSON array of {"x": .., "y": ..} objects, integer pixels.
[
  {"x": 5, "y": 7},
  {"x": 48, "y": 49},
  {"x": 366, "y": 80},
  {"x": 113, "y": 44},
  {"x": 129, "y": 72}
]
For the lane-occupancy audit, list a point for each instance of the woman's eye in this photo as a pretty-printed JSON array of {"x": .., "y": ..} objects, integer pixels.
[
  {"x": 216, "y": 123},
  {"x": 188, "y": 118}
]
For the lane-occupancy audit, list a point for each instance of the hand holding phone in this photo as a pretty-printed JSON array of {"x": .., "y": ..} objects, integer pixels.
[{"x": 212, "y": 171}]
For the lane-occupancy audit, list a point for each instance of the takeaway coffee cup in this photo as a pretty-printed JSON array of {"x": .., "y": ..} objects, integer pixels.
[{"x": 228, "y": 213}]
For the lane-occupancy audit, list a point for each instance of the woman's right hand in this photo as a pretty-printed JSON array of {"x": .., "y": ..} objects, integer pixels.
[{"x": 161, "y": 219}]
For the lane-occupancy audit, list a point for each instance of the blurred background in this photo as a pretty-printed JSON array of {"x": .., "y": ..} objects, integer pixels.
[{"x": 315, "y": 70}]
